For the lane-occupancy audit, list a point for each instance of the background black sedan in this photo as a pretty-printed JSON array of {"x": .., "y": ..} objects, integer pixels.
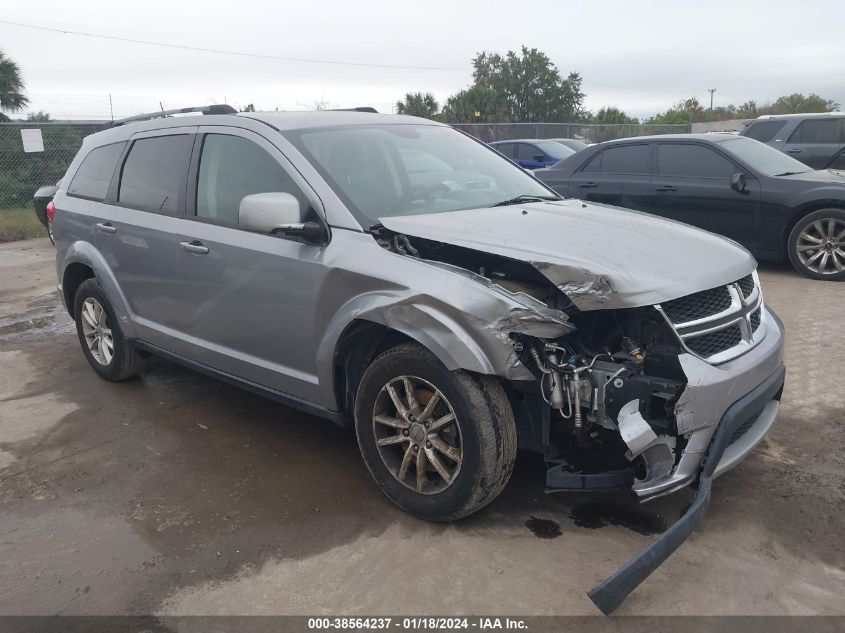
[{"x": 772, "y": 204}]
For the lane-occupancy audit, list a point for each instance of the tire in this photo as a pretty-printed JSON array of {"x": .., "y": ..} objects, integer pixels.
[
  {"x": 482, "y": 434},
  {"x": 825, "y": 228},
  {"x": 124, "y": 361}
]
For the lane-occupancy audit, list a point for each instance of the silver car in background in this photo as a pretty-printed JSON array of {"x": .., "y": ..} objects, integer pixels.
[{"x": 392, "y": 274}]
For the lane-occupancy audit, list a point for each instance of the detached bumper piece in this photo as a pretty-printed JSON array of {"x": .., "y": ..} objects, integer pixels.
[{"x": 613, "y": 591}]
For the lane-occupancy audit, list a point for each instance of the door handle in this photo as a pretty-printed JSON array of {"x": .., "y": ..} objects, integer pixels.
[
  {"x": 588, "y": 185},
  {"x": 106, "y": 227},
  {"x": 665, "y": 188},
  {"x": 793, "y": 151},
  {"x": 196, "y": 247}
]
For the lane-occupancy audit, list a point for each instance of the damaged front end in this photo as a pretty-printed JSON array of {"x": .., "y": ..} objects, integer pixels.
[{"x": 648, "y": 397}]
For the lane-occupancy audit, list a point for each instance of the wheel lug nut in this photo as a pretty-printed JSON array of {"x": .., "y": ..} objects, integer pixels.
[
  {"x": 416, "y": 448},
  {"x": 406, "y": 432},
  {"x": 428, "y": 444}
]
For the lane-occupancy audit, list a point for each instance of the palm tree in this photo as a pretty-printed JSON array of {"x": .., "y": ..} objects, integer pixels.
[
  {"x": 418, "y": 104},
  {"x": 12, "y": 98}
]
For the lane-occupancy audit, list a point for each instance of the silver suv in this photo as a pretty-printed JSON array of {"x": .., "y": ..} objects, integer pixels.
[{"x": 395, "y": 275}]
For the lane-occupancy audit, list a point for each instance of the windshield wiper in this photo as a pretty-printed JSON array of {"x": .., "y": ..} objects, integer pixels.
[
  {"x": 792, "y": 173},
  {"x": 525, "y": 198}
]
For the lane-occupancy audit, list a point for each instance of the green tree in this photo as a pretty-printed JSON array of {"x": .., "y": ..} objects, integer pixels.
[
  {"x": 747, "y": 110},
  {"x": 611, "y": 114},
  {"x": 798, "y": 103},
  {"x": 12, "y": 98},
  {"x": 418, "y": 104},
  {"x": 476, "y": 104},
  {"x": 248, "y": 108},
  {"x": 520, "y": 87}
]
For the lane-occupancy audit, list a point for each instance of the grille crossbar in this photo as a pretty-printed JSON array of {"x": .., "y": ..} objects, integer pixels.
[{"x": 719, "y": 323}]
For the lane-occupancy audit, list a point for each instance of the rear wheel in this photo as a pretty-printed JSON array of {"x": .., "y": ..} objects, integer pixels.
[
  {"x": 817, "y": 245},
  {"x": 440, "y": 444},
  {"x": 107, "y": 350}
]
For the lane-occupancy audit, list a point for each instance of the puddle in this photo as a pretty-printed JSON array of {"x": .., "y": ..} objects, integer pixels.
[
  {"x": 598, "y": 515},
  {"x": 543, "y": 528},
  {"x": 28, "y": 324}
]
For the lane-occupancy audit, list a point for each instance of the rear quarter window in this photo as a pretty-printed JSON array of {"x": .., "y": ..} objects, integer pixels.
[
  {"x": 92, "y": 178},
  {"x": 763, "y": 131}
]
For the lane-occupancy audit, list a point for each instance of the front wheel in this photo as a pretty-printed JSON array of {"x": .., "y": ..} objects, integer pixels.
[
  {"x": 440, "y": 444},
  {"x": 817, "y": 245}
]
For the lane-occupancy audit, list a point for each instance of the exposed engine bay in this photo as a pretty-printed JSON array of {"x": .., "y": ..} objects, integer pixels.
[{"x": 602, "y": 408}]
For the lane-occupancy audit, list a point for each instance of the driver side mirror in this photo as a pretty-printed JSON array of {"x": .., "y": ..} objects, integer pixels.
[
  {"x": 738, "y": 183},
  {"x": 276, "y": 212}
]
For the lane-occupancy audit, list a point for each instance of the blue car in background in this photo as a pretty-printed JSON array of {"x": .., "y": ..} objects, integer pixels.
[{"x": 532, "y": 153}]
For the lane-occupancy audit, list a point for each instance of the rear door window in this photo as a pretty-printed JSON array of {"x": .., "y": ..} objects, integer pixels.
[
  {"x": 817, "y": 131},
  {"x": 528, "y": 152},
  {"x": 153, "y": 173},
  {"x": 764, "y": 131},
  {"x": 95, "y": 173},
  {"x": 594, "y": 164},
  {"x": 692, "y": 161},
  {"x": 626, "y": 159}
]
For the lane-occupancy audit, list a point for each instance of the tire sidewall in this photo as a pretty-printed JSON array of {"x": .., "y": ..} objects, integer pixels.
[
  {"x": 821, "y": 214},
  {"x": 453, "y": 500},
  {"x": 92, "y": 288}
]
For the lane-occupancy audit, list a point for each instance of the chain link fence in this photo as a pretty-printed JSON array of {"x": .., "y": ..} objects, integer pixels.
[
  {"x": 34, "y": 154},
  {"x": 586, "y": 132}
]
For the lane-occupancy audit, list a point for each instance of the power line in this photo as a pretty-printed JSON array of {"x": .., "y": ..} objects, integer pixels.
[{"x": 218, "y": 51}]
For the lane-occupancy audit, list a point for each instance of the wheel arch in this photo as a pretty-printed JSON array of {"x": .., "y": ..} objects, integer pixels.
[
  {"x": 803, "y": 211},
  {"x": 83, "y": 261}
]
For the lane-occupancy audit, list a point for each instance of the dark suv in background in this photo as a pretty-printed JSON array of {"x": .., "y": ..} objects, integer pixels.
[{"x": 817, "y": 140}]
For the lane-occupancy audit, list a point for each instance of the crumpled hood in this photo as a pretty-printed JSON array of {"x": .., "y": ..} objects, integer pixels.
[{"x": 599, "y": 256}]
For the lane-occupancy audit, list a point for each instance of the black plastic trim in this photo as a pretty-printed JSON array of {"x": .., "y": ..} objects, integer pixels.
[
  {"x": 613, "y": 591},
  {"x": 291, "y": 401}
]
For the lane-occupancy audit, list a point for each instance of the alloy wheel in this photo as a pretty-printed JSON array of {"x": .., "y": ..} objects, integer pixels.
[
  {"x": 97, "y": 332},
  {"x": 417, "y": 435},
  {"x": 821, "y": 246}
]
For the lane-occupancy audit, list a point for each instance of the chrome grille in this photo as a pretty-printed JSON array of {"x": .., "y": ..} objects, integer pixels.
[{"x": 720, "y": 323}]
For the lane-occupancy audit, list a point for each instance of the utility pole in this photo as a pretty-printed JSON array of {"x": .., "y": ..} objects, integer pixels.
[
  {"x": 111, "y": 108},
  {"x": 711, "y": 91}
]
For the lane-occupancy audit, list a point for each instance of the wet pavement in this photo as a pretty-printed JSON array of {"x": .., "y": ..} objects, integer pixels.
[{"x": 177, "y": 494}]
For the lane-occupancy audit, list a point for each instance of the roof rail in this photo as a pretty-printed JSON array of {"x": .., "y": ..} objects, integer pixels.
[
  {"x": 358, "y": 109},
  {"x": 219, "y": 108}
]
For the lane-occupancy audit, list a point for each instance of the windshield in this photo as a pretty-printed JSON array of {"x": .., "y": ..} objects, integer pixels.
[
  {"x": 763, "y": 158},
  {"x": 388, "y": 170},
  {"x": 555, "y": 149}
]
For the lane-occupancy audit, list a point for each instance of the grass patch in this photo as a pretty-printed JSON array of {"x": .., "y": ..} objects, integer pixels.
[{"x": 20, "y": 224}]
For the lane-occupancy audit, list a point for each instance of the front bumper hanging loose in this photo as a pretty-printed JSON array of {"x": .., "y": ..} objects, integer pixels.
[{"x": 613, "y": 591}]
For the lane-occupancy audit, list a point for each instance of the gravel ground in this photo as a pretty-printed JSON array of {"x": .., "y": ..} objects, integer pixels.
[{"x": 177, "y": 494}]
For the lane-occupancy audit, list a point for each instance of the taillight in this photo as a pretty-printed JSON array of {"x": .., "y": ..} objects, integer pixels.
[{"x": 51, "y": 212}]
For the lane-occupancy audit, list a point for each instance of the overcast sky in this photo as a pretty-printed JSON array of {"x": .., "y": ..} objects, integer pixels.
[{"x": 639, "y": 56}]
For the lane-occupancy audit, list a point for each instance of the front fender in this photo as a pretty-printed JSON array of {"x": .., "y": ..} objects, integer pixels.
[
  {"x": 458, "y": 339},
  {"x": 81, "y": 252}
]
